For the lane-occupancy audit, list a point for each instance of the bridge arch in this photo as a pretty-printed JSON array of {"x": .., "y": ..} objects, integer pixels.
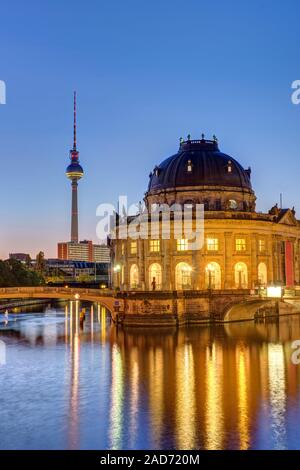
[
  {"x": 245, "y": 310},
  {"x": 106, "y": 298}
]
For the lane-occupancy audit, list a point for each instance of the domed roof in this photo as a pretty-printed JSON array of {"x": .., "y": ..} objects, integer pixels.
[{"x": 199, "y": 163}]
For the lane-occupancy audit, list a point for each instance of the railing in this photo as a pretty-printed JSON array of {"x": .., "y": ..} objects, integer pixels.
[{"x": 58, "y": 290}]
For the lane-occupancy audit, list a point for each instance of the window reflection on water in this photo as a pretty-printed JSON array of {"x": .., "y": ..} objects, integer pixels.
[{"x": 90, "y": 384}]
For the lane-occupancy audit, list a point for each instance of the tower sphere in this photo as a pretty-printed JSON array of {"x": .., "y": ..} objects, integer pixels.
[{"x": 74, "y": 171}]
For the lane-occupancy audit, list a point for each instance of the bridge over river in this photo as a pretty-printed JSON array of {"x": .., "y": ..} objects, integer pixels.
[{"x": 166, "y": 307}]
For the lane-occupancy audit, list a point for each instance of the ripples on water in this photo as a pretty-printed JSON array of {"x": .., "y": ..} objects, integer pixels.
[{"x": 65, "y": 386}]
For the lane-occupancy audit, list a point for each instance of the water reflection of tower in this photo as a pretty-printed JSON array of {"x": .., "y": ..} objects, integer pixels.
[
  {"x": 74, "y": 376},
  {"x": 74, "y": 172}
]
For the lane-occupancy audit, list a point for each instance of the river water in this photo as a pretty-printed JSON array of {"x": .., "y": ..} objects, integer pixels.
[{"x": 64, "y": 385}]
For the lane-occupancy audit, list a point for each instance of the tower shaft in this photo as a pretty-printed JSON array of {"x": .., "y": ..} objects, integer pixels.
[{"x": 74, "y": 211}]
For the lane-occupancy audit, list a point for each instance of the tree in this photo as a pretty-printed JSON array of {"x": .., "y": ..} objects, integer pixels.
[
  {"x": 13, "y": 273},
  {"x": 40, "y": 262}
]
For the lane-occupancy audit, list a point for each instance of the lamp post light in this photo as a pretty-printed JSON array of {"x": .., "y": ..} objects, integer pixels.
[{"x": 275, "y": 293}]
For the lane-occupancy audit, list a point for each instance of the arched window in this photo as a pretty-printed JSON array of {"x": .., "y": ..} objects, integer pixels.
[
  {"x": 183, "y": 276},
  {"x": 134, "y": 276},
  {"x": 241, "y": 276},
  {"x": 262, "y": 274},
  {"x": 154, "y": 276},
  {"x": 206, "y": 204},
  {"x": 213, "y": 276}
]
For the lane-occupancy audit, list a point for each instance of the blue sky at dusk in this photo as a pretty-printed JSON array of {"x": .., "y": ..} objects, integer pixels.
[{"x": 146, "y": 73}]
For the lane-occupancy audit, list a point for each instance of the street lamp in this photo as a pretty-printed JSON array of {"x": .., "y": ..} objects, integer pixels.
[
  {"x": 274, "y": 292},
  {"x": 77, "y": 296}
]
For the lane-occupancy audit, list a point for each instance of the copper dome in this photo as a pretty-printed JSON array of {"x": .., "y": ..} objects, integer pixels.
[{"x": 199, "y": 163}]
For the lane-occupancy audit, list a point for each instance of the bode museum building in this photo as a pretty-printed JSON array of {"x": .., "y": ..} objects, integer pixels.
[{"x": 242, "y": 248}]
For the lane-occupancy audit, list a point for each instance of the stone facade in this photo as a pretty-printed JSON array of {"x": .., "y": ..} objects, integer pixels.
[
  {"x": 242, "y": 249},
  {"x": 264, "y": 236}
]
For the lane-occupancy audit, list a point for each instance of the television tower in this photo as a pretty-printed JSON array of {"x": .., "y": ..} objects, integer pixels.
[{"x": 74, "y": 172}]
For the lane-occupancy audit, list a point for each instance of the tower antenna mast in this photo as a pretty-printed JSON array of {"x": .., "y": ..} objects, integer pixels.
[{"x": 74, "y": 141}]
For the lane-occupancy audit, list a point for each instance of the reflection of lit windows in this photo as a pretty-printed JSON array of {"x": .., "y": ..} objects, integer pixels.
[
  {"x": 189, "y": 166},
  {"x": 182, "y": 244},
  {"x": 212, "y": 244},
  {"x": 240, "y": 244},
  {"x": 154, "y": 246},
  {"x": 261, "y": 245},
  {"x": 133, "y": 248}
]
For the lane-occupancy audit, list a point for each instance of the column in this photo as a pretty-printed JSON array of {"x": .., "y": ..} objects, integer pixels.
[
  {"x": 141, "y": 263},
  {"x": 228, "y": 274},
  {"x": 253, "y": 261},
  {"x": 166, "y": 265}
]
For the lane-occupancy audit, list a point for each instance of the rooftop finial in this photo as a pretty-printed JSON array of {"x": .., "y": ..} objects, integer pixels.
[
  {"x": 181, "y": 140},
  {"x": 189, "y": 137},
  {"x": 74, "y": 142},
  {"x": 215, "y": 139},
  {"x": 202, "y": 136}
]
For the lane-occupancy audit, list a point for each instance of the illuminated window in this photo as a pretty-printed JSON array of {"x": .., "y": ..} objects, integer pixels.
[
  {"x": 183, "y": 276},
  {"x": 241, "y": 276},
  {"x": 182, "y": 244},
  {"x": 261, "y": 245},
  {"x": 154, "y": 276},
  {"x": 189, "y": 166},
  {"x": 154, "y": 246},
  {"x": 213, "y": 276},
  {"x": 262, "y": 274},
  {"x": 229, "y": 167},
  {"x": 240, "y": 244},
  {"x": 133, "y": 248},
  {"x": 212, "y": 244},
  {"x": 134, "y": 276}
]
